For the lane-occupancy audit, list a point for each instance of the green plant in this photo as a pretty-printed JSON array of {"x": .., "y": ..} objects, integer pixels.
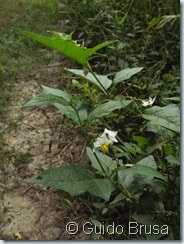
[
  {"x": 70, "y": 105},
  {"x": 126, "y": 176}
]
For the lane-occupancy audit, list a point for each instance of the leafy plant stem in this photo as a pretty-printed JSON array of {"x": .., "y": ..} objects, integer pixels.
[
  {"x": 90, "y": 69},
  {"x": 126, "y": 192},
  {"x": 82, "y": 127},
  {"x": 80, "y": 123},
  {"x": 100, "y": 163}
]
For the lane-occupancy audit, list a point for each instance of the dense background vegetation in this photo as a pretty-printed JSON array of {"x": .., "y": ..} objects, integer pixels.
[{"x": 148, "y": 36}]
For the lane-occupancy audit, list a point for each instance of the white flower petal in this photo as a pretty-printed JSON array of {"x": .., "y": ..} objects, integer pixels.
[
  {"x": 101, "y": 141},
  {"x": 128, "y": 165},
  {"x": 111, "y": 134},
  {"x": 148, "y": 102},
  {"x": 144, "y": 103},
  {"x": 153, "y": 100}
]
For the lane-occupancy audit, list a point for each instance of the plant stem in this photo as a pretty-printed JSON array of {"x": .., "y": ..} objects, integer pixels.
[
  {"x": 80, "y": 123},
  {"x": 103, "y": 88},
  {"x": 100, "y": 163}
]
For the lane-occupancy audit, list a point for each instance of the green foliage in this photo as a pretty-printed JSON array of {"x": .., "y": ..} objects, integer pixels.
[
  {"x": 102, "y": 81},
  {"x": 137, "y": 178},
  {"x": 104, "y": 164},
  {"x": 125, "y": 74},
  {"x": 57, "y": 93},
  {"x": 75, "y": 180},
  {"x": 167, "y": 117},
  {"x": 144, "y": 170},
  {"x": 160, "y": 22},
  {"x": 106, "y": 108},
  {"x": 138, "y": 45},
  {"x": 64, "y": 44},
  {"x": 18, "y": 54}
]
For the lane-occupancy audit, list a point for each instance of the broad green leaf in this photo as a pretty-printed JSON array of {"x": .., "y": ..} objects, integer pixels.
[
  {"x": 68, "y": 111},
  {"x": 157, "y": 129},
  {"x": 93, "y": 159},
  {"x": 45, "y": 99},
  {"x": 167, "y": 117},
  {"x": 64, "y": 44},
  {"x": 125, "y": 74},
  {"x": 105, "y": 82},
  {"x": 82, "y": 111},
  {"x": 56, "y": 92},
  {"x": 49, "y": 97},
  {"x": 106, "y": 162},
  {"x": 144, "y": 170},
  {"x": 75, "y": 180},
  {"x": 106, "y": 108},
  {"x": 148, "y": 161},
  {"x": 162, "y": 122},
  {"x": 172, "y": 159},
  {"x": 125, "y": 178}
]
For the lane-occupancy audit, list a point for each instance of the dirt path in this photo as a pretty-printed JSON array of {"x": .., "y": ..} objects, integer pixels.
[
  {"x": 32, "y": 211},
  {"x": 35, "y": 140}
]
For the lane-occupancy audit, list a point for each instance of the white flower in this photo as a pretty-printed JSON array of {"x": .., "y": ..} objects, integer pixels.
[
  {"x": 129, "y": 165},
  {"x": 110, "y": 134},
  {"x": 108, "y": 137},
  {"x": 148, "y": 102}
]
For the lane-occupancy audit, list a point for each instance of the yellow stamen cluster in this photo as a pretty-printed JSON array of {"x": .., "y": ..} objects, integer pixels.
[{"x": 105, "y": 148}]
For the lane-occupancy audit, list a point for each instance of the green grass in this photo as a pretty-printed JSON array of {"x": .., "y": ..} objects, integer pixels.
[{"x": 18, "y": 53}]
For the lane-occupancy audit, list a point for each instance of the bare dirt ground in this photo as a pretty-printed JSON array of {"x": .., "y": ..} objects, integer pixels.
[
  {"x": 34, "y": 140},
  {"x": 34, "y": 212}
]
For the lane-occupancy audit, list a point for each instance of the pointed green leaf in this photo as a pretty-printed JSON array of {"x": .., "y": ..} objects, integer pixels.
[
  {"x": 68, "y": 111},
  {"x": 82, "y": 111},
  {"x": 107, "y": 163},
  {"x": 106, "y": 108},
  {"x": 56, "y": 92},
  {"x": 144, "y": 170},
  {"x": 64, "y": 44},
  {"x": 125, "y": 74},
  {"x": 75, "y": 180},
  {"x": 167, "y": 117},
  {"x": 46, "y": 99},
  {"x": 172, "y": 160},
  {"x": 101, "y": 45},
  {"x": 149, "y": 162},
  {"x": 49, "y": 97},
  {"x": 125, "y": 178},
  {"x": 104, "y": 80}
]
